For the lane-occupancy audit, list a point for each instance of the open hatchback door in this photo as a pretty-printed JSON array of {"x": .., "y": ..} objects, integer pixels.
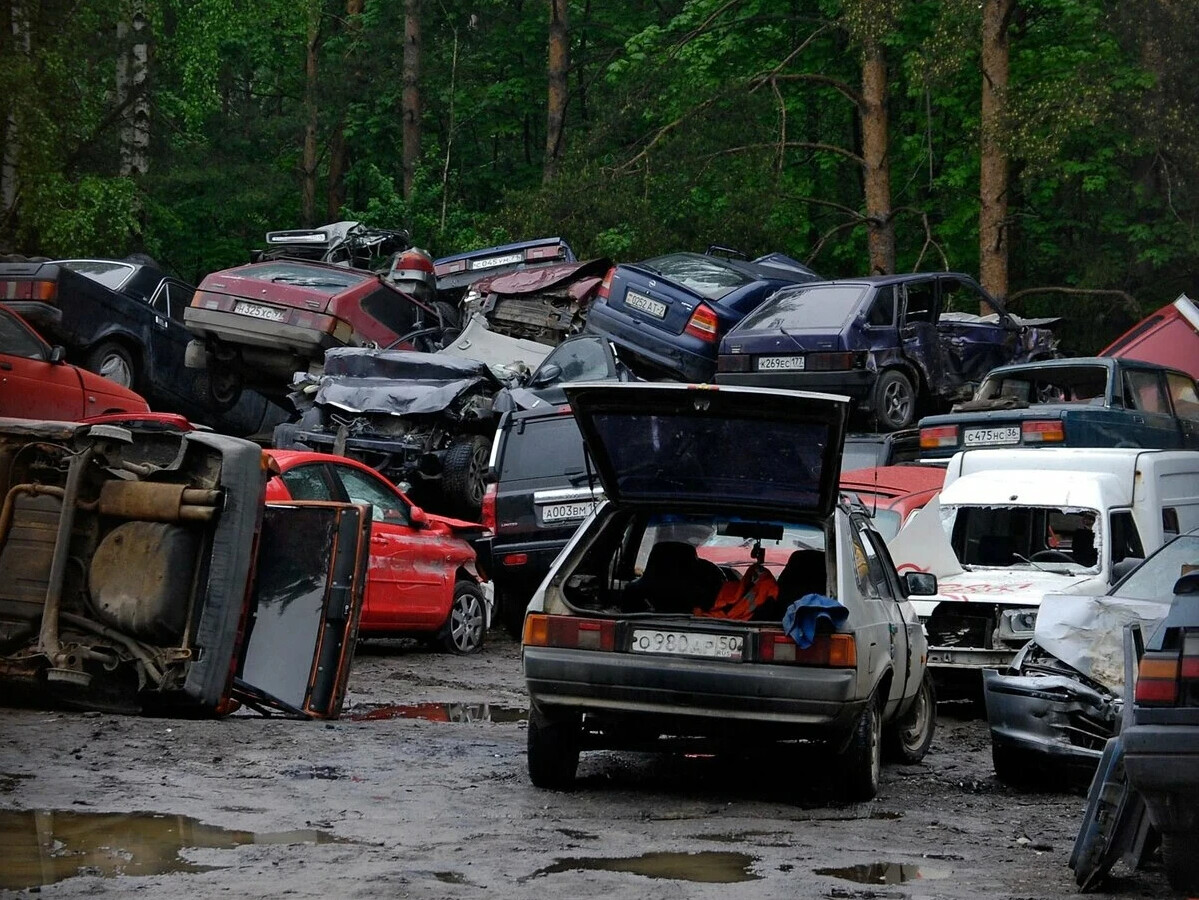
[
  {"x": 141, "y": 572},
  {"x": 723, "y": 449}
]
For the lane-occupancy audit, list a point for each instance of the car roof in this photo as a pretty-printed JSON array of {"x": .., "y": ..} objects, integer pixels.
[
  {"x": 894, "y": 480},
  {"x": 1106, "y": 362}
]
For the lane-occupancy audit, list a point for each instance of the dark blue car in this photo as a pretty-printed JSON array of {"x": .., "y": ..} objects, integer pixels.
[
  {"x": 668, "y": 314},
  {"x": 456, "y": 273},
  {"x": 1079, "y": 402},
  {"x": 893, "y": 343}
]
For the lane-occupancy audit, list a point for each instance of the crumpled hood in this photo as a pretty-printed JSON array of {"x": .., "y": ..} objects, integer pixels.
[
  {"x": 532, "y": 280},
  {"x": 1023, "y": 587},
  {"x": 398, "y": 382}
]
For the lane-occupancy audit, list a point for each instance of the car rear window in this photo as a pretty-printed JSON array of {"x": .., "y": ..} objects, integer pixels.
[
  {"x": 110, "y": 274},
  {"x": 816, "y": 307},
  {"x": 320, "y": 279},
  {"x": 708, "y": 276},
  {"x": 547, "y": 447},
  {"x": 1066, "y": 384}
]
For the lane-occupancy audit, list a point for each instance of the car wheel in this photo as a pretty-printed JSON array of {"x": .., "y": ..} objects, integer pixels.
[
  {"x": 224, "y": 385},
  {"x": 512, "y": 613},
  {"x": 908, "y": 738},
  {"x": 894, "y": 401},
  {"x": 1182, "y": 864},
  {"x": 465, "y": 627},
  {"x": 862, "y": 761},
  {"x": 553, "y": 751},
  {"x": 464, "y": 474},
  {"x": 113, "y": 361},
  {"x": 448, "y": 313}
]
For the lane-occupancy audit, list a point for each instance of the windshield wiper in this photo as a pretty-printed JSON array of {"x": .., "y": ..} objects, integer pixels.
[
  {"x": 793, "y": 338},
  {"x": 1040, "y": 568}
]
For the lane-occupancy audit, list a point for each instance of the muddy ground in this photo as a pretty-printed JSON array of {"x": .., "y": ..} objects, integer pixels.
[{"x": 398, "y": 806}]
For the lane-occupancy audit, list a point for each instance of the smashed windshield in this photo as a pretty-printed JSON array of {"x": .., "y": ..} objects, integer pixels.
[
  {"x": 708, "y": 276},
  {"x": 816, "y": 307},
  {"x": 321, "y": 279},
  {"x": 1053, "y": 384},
  {"x": 1056, "y": 539}
]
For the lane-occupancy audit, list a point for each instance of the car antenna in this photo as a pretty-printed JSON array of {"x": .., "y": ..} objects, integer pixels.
[{"x": 874, "y": 502}]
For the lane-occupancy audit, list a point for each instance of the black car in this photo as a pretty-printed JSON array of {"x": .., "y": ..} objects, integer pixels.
[
  {"x": 584, "y": 357},
  {"x": 539, "y": 493},
  {"x": 893, "y": 343},
  {"x": 868, "y": 451},
  {"x": 123, "y": 319}
]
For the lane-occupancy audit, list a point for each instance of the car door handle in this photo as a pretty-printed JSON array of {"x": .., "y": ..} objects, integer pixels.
[
  {"x": 6, "y": 366},
  {"x": 378, "y": 540}
]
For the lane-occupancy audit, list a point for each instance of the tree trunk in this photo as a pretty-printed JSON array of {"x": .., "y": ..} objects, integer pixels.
[
  {"x": 308, "y": 191},
  {"x": 993, "y": 169},
  {"x": 10, "y": 165},
  {"x": 880, "y": 233},
  {"x": 131, "y": 97},
  {"x": 411, "y": 93},
  {"x": 339, "y": 151},
  {"x": 559, "y": 65}
]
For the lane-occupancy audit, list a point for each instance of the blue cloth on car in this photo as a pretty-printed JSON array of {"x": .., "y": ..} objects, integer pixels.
[{"x": 802, "y": 616}]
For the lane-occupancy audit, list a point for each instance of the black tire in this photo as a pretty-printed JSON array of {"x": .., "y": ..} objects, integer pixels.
[
  {"x": 908, "y": 738},
  {"x": 860, "y": 763},
  {"x": 114, "y": 361},
  {"x": 893, "y": 401},
  {"x": 224, "y": 385},
  {"x": 1018, "y": 769},
  {"x": 512, "y": 613},
  {"x": 466, "y": 626},
  {"x": 1182, "y": 863},
  {"x": 464, "y": 474},
  {"x": 449, "y": 314},
  {"x": 553, "y": 751}
]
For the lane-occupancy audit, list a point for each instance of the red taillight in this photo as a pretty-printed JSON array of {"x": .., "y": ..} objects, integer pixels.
[
  {"x": 45, "y": 291},
  {"x": 1043, "y": 432},
  {"x": 829, "y": 362},
  {"x": 606, "y": 284},
  {"x": 733, "y": 362},
  {"x": 833, "y": 650},
  {"x": 487, "y": 513},
  {"x": 703, "y": 323},
  {"x": 516, "y": 559},
  {"x": 1157, "y": 680},
  {"x": 573, "y": 632},
  {"x": 939, "y": 436}
]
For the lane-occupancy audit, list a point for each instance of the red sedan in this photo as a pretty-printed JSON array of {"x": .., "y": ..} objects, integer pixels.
[
  {"x": 893, "y": 493},
  {"x": 422, "y": 578}
]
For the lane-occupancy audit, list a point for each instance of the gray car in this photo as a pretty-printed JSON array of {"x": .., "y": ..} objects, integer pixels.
[{"x": 724, "y": 596}]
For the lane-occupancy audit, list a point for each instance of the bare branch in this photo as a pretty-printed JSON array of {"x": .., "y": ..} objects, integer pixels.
[
  {"x": 700, "y": 29},
  {"x": 768, "y": 76},
  {"x": 1130, "y": 302},
  {"x": 807, "y": 145},
  {"x": 840, "y": 86},
  {"x": 828, "y": 234}
]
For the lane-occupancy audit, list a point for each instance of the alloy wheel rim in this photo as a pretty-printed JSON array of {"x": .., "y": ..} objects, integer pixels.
[
  {"x": 115, "y": 369},
  {"x": 913, "y": 735},
  {"x": 897, "y": 401},
  {"x": 478, "y": 469},
  {"x": 467, "y": 623}
]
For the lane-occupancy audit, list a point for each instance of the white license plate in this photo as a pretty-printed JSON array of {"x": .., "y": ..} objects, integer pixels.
[
  {"x": 494, "y": 261},
  {"x": 687, "y": 643},
  {"x": 259, "y": 312},
  {"x": 649, "y": 305},
  {"x": 780, "y": 363},
  {"x": 974, "y": 437},
  {"x": 564, "y": 512}
]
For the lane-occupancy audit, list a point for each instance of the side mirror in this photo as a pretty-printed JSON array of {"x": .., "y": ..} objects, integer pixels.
[
  {"x": 546, "y": 375},
  {"x": 417, "y": 516},
  {"x": 57, "y": 355},
  {"x": 920, "y": 584}
]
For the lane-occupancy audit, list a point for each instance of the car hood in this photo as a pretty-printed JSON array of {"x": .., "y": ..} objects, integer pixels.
[
  {"x": 720, "y": 449},
  {"x": 397, "y": 382},
  {"x": 99, "y": 385},
  {"x": 529, "y": 281}
]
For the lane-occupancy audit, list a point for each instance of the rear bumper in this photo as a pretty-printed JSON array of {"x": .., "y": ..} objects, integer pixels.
[
  {"x": 522, "y": 580},
  {"x": 695, "y": 697},
  {"x": 854, "y": 383},
  {"x": 1162, "y": 762},
  {"x": 656, "y": 348},
  {"x": 277, "y": 337}
]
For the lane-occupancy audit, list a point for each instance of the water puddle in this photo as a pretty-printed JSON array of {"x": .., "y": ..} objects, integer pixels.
[
  {"x": 884, "y": 873},
  {"x": 442, "y": 712},
  {"x": 318, "y": 773},
  {"x": 709, "y": 868},
  {"x": 45, "y": 846}
]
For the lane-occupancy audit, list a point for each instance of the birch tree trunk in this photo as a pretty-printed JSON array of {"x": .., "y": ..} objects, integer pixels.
[
  {"x": 559, "y": 65},
  {"x": 880, "y": 233},
  {"x": 308, "y": 190},
  {"x": 410, "y": 99},
  {"x": 131, "y": 96},
  {"x": 993, "y": 169}
]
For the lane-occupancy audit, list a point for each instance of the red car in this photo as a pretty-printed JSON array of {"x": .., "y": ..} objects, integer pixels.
[
  {"x": 260, "y": 324},
  {"x": 422, "y": 578},
  {"x": 892, "y": 493},
  {"x": 1168, "y": 337},
  {"x": 35, "y": 383}
]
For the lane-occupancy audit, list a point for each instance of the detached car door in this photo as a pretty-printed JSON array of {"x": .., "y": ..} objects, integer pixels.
[
  {"x": 303, "y": 619},
  {"x": 972, "y": 348},
  {"x": 918, "y": 331},
  {"x": 1184, "y": 395}
]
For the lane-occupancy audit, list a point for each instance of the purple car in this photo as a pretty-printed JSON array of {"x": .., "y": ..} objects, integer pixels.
[{"x": 893, "y": 343}]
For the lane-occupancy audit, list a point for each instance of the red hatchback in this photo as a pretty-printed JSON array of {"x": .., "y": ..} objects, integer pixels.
[
  {"x": 892, "y": 493},
  {"x": 35, "y": 383},
  {"x": 422, "y": 579}
]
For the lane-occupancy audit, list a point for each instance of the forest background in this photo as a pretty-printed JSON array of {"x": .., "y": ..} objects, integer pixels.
[{"x": 1049, "y": 145}]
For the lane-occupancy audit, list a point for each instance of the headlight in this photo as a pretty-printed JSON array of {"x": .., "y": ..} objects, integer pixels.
[{"x": 1017, "y": 623}]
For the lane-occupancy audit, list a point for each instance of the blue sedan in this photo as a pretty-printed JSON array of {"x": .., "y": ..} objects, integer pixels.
[
  {"x": 1078, "y": 402},
  {"x": 668, "y": 314}
]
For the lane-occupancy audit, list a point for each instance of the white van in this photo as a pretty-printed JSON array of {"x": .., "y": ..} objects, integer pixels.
[{"x": 1018, "y": 524}]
